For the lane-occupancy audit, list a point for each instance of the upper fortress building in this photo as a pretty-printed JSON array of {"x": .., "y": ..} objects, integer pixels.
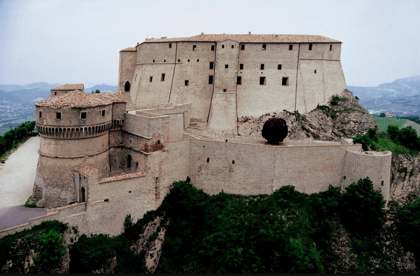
[{"x": 228, "y": 76}]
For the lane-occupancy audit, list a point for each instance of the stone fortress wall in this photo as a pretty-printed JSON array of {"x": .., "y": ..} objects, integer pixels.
[{"x": 221, "y": 78}]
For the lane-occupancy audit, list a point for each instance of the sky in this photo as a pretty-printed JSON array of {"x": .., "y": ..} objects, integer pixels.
[{"x": 73, "y": 41}]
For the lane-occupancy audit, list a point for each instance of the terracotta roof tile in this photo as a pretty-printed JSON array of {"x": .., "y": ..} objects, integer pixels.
[
  {"x": 80, "y": 99},
  {"x": 70, "y": 86},
  {"x": 86, "y": 170},
  {"x": 129, "y": 49},
  {"x": 121, "y": 177},
  {"x": 250, "y": 38}
]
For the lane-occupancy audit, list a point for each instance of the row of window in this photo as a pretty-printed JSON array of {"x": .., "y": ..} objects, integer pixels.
[
  {"x": 264, "y": 47},
  {"x": 284, "y": 81},
  {"x": 83, "y": 115}
]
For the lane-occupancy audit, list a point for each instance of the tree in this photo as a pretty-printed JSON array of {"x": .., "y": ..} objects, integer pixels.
[
  {"x": 97, "y": 91},
  {"x": 53, "y": 249},
  {"x": 275, "y": 130},
  {"x": 382, "y": 115}
]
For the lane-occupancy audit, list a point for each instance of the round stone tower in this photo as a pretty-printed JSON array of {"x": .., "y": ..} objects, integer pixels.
[{"x": 74, "y": 129}]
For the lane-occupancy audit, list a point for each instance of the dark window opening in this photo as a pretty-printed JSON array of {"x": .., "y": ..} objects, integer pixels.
[
  {"x": 194, "y": 47},
  {"x": 279, "y": 67},
  {"x": 239, "y": 80},
  {"x": 226, "y": 65},
  {"x": 233, "y": 46},
  {"x": 188, "y": 60},
  {"x": 137, "y": 164},
  {"x": 211, "y": 65},
  {"x": 55, "y": 93},
  {"x": 223, "y": 46},
  {"x": 103, "y": 113},
  {"x": 158, "y": 142},
  {"x": 129, "y": 161},
  {"x": 187, "y": 82},
  {"x": 127, "y": 86},
  {"x": 314, "y": 71},
  {"x": 262, "y": 80},
  {"x": 153, "y": 60},
  {"x": 208, "y": 159},
  {"x": 40, "y": 114},
  {"x": 382, "y": 183},
  {"x": 170, "y": 45},
  {"x": 151, "y": 79},
  {"x": 58, "y": 115},
  {"x": 242, "y": 47},
  {"x": 310, "y": 47},
  {"x": 241, "y": 66},
  {"x": 198, "y": 60},
  {"x": 262, "y": 67},
  {"x": 285, "y": 81},
  {"x": 233, "y": 162},
  {"x": 344, "y": 177},
  {"x": 179, "y": 60},
  {"x": 212, "y": 47},
  {"x": 290, "y": 47},
  {"x": 82, "y": 196},
  {"x": 264, "y": 46},
  {"x": 129, "y": 192},
  {"x": 224, "y": 90},
  {"x": 164, "y": 60},
  {"x": 106, "y": 200},
  {"x": 330, "y": 47},
  {"x": 210, "y": 79},
  {"x": 163, "y": 77}
]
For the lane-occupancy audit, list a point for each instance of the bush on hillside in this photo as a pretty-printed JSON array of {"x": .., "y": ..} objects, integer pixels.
[{"x": 408, "y": 226}]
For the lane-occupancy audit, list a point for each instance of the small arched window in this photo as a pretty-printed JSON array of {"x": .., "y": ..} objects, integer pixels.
[
  {"x": 127, "y": 86},
  {"x": 129, "y": 161},
  {"x": 82, "y": 196}
]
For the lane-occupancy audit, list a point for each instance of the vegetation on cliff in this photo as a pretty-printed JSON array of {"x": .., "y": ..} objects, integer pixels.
[
  {"x": 288, "y": 231},
  {"x": 12, "y": 138}
]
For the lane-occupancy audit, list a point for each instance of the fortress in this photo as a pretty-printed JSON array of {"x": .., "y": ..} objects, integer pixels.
[{"x": 104, "y": 156}]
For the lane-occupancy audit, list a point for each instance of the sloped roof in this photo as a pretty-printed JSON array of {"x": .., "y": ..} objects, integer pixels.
[
  {"x": 70, "y": 86},
  {"x": 129, "y": 49},
  {"x": 86, "y": 170},
  {"x": 80, "y": 99},
  {"x": 250, "y": 38}
]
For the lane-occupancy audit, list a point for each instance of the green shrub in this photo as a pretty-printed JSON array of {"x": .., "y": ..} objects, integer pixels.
[
  {"x": 362, "y": 208},
  {"x": 408, "y": 226},
  {"x": 336, "y": 99},
  {"x": 53, "y": 249},
  {"x": 29, "y": 203}
]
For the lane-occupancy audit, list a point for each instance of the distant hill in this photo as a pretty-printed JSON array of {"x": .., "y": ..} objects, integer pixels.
[
  {"x": 400, "y": 97},
  {"x": 384, "y": 122},
  {"x": 102, "y": 88}
]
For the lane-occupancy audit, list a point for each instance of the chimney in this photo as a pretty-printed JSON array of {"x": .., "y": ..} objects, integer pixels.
[
  {"x": 138, "y": 43},
  {"x": 249, "y": 32},
  {"x": 202, "y": 33}
]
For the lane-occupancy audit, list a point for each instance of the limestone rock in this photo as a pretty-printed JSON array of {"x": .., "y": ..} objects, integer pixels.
[{"x": 40, "y": 203}]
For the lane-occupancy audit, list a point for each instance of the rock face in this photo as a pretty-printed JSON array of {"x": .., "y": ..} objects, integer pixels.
[
  {"x": 342, "y": 117},
  {"x": 405, "y": 178}
]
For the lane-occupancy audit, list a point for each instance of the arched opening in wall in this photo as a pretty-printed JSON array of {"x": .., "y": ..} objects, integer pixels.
[
  {"x": 129, "y": 161},
  {"x": 127, "y": 86},
  {"x": 82, "y": 195}
]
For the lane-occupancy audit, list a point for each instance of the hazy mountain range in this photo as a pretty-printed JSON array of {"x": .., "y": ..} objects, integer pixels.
[{"x": 400, "y": 97}]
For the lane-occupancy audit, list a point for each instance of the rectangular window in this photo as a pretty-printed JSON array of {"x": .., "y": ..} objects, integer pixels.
[
  {"x": 242, "y": 47},
  {"x": 262, "y": 80},
  {"x": 330, "y": 47},
  {"x": 58, "y": 115},
  {"x": 262, "y": 67},
  {"x": 290, "y": 47},
  {"x": 83, "y": 115},
  {"x": 187, "y": 82},
  {"x": 241, "y": 66},
  {"x": 211, "y": 65},
  {"x": 55, "y": 93},
  {"x": 150, "y": 79},
  {"x": 103, "y": 113},
  {"x": 239, "y": 80},
  {"x": 223, "y": 46},
  {"x": 194, "y": 47},
  {"x": 226, "y": 65},
  {"x": 164, "y": 60},
  {"x": 264, "y": 46},
  {"x": 310, "y": 47},
  {"x": 224, "y": 90},
  {"x": 314, "y": 71},
  {"x": 285, "y": 81},
  {"x": 40, "y": 114},
  {"x": 170, "y": 45},
  {"x": 233, "y": 46},
  {"x": 212, "y": 47},
  {"x": 279, "y": 67},
  {"x": 198, "y": 60},
  {"x": 163, "y": 77},
  {"x": 210, "y": 79},
  {"x": 179, "y": 60},
  {"x": 153, "y": 60},
  {"x": 188, "y": 60}
]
